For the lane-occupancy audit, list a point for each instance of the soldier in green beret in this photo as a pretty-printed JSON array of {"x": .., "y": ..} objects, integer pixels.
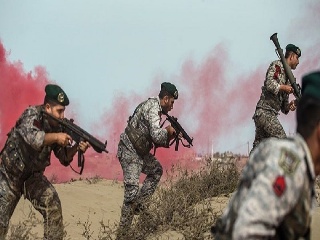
[
  {"x": 276, "y": 192},
  {"x": 26, "y": 155},
  {"x": 142, "y": 132},
  {"x": 275, "y": 97}
]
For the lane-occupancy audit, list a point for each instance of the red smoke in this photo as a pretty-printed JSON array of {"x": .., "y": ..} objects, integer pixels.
[
  {"x": 211, "y": 106},
  {"x": 19, "y": 90},
  {"x": 218, "y": 105}
]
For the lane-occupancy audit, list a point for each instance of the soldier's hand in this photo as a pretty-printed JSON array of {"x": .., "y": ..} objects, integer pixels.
[
  {"x": 292, "y": 105},
  {"x": 286, "y": 88},
  {"x": 63, "y": 139},
  {"x": 171, "y": 132},
  {"x": 83, "y": 146}
]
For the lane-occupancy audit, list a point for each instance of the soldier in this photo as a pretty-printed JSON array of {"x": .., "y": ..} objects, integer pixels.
[
  {"x": 142, "y": 132},
  {"x": 275, "y": 97},
  {"x": 26, "y": 155},
  {"x": 276, "y": 191}
]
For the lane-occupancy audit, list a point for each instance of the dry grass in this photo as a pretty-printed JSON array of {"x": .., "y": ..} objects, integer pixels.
[
  {"x": 24, "y": 230},
  {"x": 181, "y": 206}
]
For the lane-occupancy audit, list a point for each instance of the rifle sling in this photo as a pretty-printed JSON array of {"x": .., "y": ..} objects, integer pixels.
[{"x": 81, "y": 161}]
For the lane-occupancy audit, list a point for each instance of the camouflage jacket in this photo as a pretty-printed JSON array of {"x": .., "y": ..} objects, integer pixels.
[
  {"x": 24, "y": 152},
  {"x": 275, "y": 194},
  {"x": 271, "y": 98},
  {"x": 146, "y": 119}
]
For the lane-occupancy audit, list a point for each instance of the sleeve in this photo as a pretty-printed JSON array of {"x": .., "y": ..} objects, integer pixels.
[
  {"x": 285, "y": 104},
  {"x": 271, "y": 196},
  {"x": 271, "y": 82},
  {"x": 158, "y": 135},
  {"x": 62, "y": 154},
  {"x": 29, "y": 128}
]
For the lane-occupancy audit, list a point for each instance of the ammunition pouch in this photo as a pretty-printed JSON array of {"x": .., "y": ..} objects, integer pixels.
[
  {"x": 141, "y": 143},
  {"x": 13, "y": 161}
]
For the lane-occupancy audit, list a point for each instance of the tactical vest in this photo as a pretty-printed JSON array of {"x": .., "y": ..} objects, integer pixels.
[
  {"x": 20, "y": 159},
  {"x": 141, "y": 142}
]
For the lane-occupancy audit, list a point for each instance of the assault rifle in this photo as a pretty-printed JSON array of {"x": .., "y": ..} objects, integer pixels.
[
  {"x": 179, "y": 130},
  {"x": 78, "y": 135},
  {"x": 287, "y": 69}
]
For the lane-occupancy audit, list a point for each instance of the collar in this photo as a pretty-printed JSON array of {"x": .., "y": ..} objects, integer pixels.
[
  {"x": 160, "y": 112},
  {"x": 158, "y": 100}
]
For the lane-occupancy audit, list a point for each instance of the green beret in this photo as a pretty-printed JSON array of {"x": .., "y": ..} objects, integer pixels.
[
  {"x": 311, "y": 85},
  {"x": 293, "y": 48},
  {"x": 56, "y": 94},
  {"x": 170, "y": 88}
]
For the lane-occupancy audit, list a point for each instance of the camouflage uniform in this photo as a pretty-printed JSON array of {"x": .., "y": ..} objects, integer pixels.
[
  {"x": 275, "y": 194},
  {"x": 23, "y": 161},
  {"x": 146, "y": 118},
  {"x": 270, "y": 103}
]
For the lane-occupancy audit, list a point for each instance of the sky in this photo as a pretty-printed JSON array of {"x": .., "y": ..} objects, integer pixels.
[{"x": 109, "y": 56}]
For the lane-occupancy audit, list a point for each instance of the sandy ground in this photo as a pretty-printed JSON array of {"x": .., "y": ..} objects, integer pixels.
[{"x": 84, "y": 202}]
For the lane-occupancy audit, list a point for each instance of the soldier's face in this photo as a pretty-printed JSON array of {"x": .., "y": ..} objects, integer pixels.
[
  {"x": 167, "y": 104},
  {"x": 57, "y": 111},
  {"x": 294, "y": 61}
]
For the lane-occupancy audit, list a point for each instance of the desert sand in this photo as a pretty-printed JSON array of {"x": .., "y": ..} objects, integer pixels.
[{"x": 93, "y": 202}]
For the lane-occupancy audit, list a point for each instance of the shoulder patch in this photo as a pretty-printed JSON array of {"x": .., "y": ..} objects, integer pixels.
[
  {"x": 279, "y": 185},
  {"x": 277, "y": 72},
  {"x": 288, "y": 161},
  {"x": 37, "y": 124}
]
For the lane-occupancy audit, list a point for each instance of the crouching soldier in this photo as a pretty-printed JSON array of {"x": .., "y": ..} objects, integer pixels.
[{"x": 26, "y": 155}]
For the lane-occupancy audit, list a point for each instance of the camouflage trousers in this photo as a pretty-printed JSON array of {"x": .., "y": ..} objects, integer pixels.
[
  {"x": 133, "y": 165},
  {"x": 267, "y": 125},
  {"x": 44, "y": 198}
]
